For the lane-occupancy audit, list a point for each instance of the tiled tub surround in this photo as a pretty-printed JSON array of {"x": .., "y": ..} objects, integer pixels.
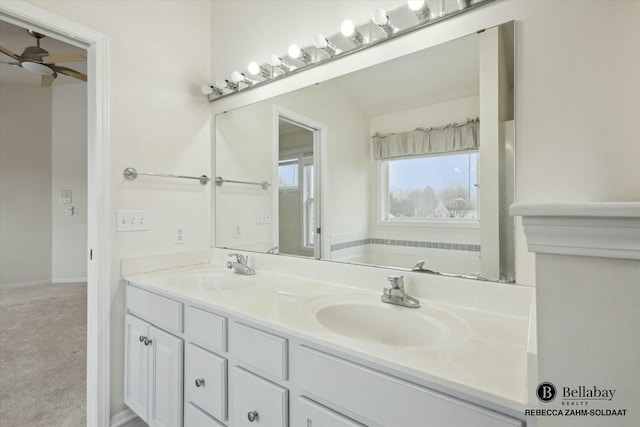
[
  {"x": 488, "y": 367},
  {"x": 409, "y": 243},
  {"x": 457, "y": 257}
]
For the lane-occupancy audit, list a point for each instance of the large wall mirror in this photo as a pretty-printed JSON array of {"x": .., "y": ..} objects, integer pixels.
[{"x": 406, "y": 164}]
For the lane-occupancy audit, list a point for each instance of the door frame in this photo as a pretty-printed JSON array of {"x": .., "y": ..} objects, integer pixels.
[
  {"x": 23, "y": 14},
  {"x": 319, "y": 153}
]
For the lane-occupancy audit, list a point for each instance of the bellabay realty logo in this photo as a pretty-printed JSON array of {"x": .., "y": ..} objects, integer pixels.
[
  {"x": 581, "y": 395},
  {"x": 571, "y": 396}
]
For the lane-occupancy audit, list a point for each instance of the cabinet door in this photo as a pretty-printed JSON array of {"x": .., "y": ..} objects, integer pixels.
[
  {"x": 194, "y": 417},
  {"x": 136, "y": 366},
  {"x": 206, "y": 381},
  {"x": 311, "y": 414},
  {"x": 165, "y": 379},
  {"x": 256, "y": 401}
]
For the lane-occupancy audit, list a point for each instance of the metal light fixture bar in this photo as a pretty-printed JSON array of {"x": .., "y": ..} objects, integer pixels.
[{"x": 287, "y": 69}]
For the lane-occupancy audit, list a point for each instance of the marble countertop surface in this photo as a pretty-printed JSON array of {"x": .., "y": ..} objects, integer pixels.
[{"x": 488, "y": 366}]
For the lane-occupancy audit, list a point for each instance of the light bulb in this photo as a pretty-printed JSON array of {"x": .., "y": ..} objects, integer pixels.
[
  {"x": 420, "y": 8},
  {"x": 347, "y": 28},
  {"x": 226, "y": 84},
  {"x": 237, "y": 77},
  {"x": 206, "y": 89},
  {"x": 294, "y": 51},
  {"x": 275, "y": 60},
  {"x": 325, "y": 45},
  {"x": 320, "y": 41},
  {"x": 254, "y": 68},
  {"x": 380, "y": 17},
  {"x": 221, "y": 83},
  {"x": 415, "y": 5}
]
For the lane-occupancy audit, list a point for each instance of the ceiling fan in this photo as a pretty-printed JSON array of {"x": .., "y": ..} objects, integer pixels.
[{"x": 39, "y": 61}]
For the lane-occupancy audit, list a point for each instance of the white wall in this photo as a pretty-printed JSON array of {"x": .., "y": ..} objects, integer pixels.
[
  {"x": 69, "y": 171},
  {"x": 25, "y": 184},
  {"x": 160, "y": 122}
]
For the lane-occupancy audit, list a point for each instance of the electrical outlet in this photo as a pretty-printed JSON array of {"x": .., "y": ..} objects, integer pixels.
[
  {"x": 180, "y": 234},
  {"x": 236, "y": 231}
]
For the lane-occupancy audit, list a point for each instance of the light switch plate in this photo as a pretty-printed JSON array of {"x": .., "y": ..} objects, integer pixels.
[
  {"x": 263, "y": 216},
  {"x": 132, "y": 221},
  {"x": 65, "y": 196}
]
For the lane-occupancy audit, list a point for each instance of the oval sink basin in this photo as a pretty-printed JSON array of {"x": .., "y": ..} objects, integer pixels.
[
  {"x": 365, "y": 317},
  {"x": 212, "y": 280}
]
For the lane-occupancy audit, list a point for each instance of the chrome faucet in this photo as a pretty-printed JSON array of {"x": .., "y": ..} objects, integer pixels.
[
  {"x": 240, "y": 265},
  {"x": 420, "y": 267},
  {"x": 396, "y": 295}
]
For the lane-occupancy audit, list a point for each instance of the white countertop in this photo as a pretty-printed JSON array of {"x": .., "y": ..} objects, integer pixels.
[{"x": 488, "y": 366}]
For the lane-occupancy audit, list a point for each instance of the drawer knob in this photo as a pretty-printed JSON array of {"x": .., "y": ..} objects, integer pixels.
[
  {"x": 142, "y": 338},
  {"x": 199, "y": 382},
  {"x": 252, "y": 416},
  {"x": 147, "y": 341}
]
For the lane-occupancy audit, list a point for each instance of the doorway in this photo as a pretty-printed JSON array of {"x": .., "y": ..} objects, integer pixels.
[
  {"x": 98, "y": 193},
  {"x": 299, "y": 150}
]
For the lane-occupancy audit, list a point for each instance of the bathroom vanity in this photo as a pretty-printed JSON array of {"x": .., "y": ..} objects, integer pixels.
[{"x": 206, "y": 347}]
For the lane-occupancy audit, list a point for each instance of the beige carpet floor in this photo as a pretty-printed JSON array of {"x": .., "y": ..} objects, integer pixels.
[{"x": 43, "y": 356}]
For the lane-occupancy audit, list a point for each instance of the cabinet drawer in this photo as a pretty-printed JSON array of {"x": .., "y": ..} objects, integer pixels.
[
  {"x": 210, "y": 371},
  {"x": 162, "y": 312},
  {"x": 366, "y": 391},
  {"x": 253, "y": 394},
  {"x": 262, "y": 350},
  {"x": 206, "y": 328},
  {"x": 194, "y": 417},
  {"x": 312, "y": 414}
]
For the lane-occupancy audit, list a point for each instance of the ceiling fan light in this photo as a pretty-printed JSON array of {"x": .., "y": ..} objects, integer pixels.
[{"x": 37, "y": 68}]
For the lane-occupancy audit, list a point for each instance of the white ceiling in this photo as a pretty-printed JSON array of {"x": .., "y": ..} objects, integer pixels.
[
  {"x": 16, "y": 39},
  {"x": 441, "y": 73}
]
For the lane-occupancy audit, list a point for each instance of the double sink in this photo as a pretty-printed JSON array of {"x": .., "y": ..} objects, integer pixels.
[{"x": 357, "y": 316}]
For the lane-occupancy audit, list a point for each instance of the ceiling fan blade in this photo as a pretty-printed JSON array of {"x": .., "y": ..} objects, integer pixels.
[
  {"x": 13, "y": 64},
  {"x": 69, "y": 72},
  {"x": 47, "y": 80},
  {"x": 9, "y": 53},
  {"x": 64, "y": 57}
]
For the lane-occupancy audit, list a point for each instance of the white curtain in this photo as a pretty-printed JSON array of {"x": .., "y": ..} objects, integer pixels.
[{"x": 444, "y": 139}]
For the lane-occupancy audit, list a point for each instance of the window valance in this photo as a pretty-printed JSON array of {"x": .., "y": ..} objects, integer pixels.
[{"x": 444, "y": 139}]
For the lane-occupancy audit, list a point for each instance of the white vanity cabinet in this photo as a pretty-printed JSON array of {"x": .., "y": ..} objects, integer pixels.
[
  {"x": 312, "y": 414},
  {"x": 261, "y": 359},
  {"x": 205, "y": 370},
  {"x": 382, "y": 399},
  {"x": 153, "y": 373},
  {"x": 241, "y": 373}
]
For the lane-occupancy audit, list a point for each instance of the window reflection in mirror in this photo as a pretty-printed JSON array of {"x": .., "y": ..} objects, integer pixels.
[{"x": 437, "y": 190}]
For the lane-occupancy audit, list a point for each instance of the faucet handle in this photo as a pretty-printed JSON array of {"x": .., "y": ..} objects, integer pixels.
[
  {"x": 239, "y": 258},
  {"x": 397, "y": 282}
]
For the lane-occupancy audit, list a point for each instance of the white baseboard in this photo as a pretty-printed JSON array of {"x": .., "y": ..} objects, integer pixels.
[
  {"x": 126, "y": 418},
  {"x": 49, "y": 282},
  {"x": 69, "y": 280},
  {"x": 24, "y": 284}
]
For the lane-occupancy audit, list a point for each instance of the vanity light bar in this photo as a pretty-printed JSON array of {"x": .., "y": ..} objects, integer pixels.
[{"x": 323, "y": 50}]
